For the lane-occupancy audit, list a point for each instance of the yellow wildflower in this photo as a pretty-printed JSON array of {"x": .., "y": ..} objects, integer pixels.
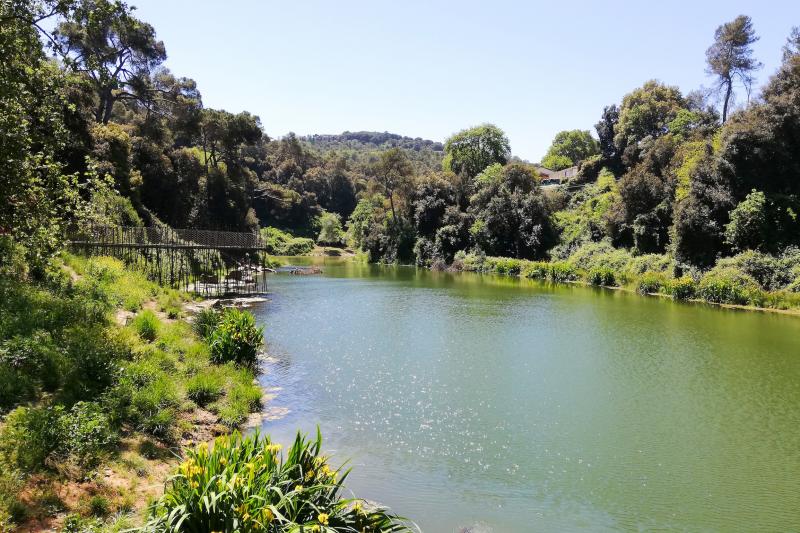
[
  {"x": 267, "y": 516},
  {"x": 223, "y": 461},
  {"x": 357, "y": 507},
  {"x": 194, "y": 484},
  {"x": 310, "y": 475},
  {"x": 326, "y": 470},
  {"x": 323, "y": 518},
  {"x": 298, "y": 488}
]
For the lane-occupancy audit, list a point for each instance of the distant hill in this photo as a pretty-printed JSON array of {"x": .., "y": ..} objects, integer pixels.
[
  {"x": 371, "y": 140},
  {"x": 364, "y": 147}
]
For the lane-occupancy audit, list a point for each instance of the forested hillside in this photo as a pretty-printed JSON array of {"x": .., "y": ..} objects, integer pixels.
[{"x": 96, "y": 128}]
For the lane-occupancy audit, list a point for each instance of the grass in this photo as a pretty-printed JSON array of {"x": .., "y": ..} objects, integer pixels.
[{"x": 75, "y": 385}]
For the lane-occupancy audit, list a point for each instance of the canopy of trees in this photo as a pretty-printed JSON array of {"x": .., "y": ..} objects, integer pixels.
[{"x": 106, "y": 133}]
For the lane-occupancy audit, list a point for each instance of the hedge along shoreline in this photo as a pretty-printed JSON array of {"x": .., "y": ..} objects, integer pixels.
[{"x": 726, "y": 285}]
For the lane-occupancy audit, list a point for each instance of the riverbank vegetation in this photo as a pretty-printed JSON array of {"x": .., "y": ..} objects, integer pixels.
[
  {"x": 246, "y": 484},
  {"x": 97, "y": 383}
]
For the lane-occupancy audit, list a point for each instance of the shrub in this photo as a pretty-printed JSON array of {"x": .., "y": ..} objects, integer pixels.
[
  {"x": 204, "y": 388},
  {"x": 244, "y": 483},
  {"x": 772, "y": 273},
  {"x": 279, "y": 242},
  {"x": 683, "y": 288},
  {"x": 600, "y": 254},
  {"x": 236, "y": 338},
  {"x": 87, "y": 433},
  {"x": 728, "y": 285},
  {"x": 602, "y": 276},
  {"x": 31, "y": 436},
  {"x": 205, "y": 321},
  {"x": 651, "y": 282},
  {"x": 146, "y": 325},
  {"x": 562, "y": 271},
  {"x": 536, "y": 270},
  {"x": 15, "y": 387},
  {"x": 504, "y": 265}
]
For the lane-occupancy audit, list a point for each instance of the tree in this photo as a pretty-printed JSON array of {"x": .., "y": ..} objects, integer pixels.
[
  {"x": 645, "y": 114},
  {"x": 611, "y": 157},
  {"x": 471, "y": 150},
  {"x": 37, "y": 196},
  {"x": 570, "y": 148},
  {"x": 749, "y": 227},
  {"x": 330, "y": 229},
  {"x": 792, "y": 46},
  {"x": 392, "y": 172},
  {"x": 117, "y": 51},
  {"x": 730, "y": 58},
  {"x": 512, "y": 217}
]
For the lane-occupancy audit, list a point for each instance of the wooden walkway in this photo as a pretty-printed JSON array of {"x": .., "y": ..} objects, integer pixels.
[{"x": 208, "y": 263}]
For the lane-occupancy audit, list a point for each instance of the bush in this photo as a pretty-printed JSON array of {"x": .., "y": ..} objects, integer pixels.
[
  {"x": 504, "y": 265},
  {"x": 651, "y": 282},
  {"x": 728, "y": 285},
  {"x": 244, "y": 483},
  {"x": 146, "y": 325},
  {"x": 561, "y": 271},
  {"x": 279, "y": 242},
  {"x": 236, "y": 339},
  {"x": 31, "y": 436},
  {"x": 204, "y": 322},
  {"x": 683, "y": 288},
  {"x": 602, "y": 276},
  {"x": 34, "y": 437}
]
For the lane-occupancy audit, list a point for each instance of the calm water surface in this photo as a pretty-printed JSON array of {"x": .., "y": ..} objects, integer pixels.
[{"x": 511, "y": 406}]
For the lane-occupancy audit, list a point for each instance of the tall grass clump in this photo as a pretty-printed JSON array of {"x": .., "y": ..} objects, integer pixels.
[
  {"x": 236, "y": 339},
  {"x": 246, "y": 484},
  {"x": 146, "y": 325},
  {"x": 205, "y": 321}
]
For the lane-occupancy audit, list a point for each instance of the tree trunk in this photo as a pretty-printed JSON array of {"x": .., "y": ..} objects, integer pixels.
[{"x": 728, "y": 92}]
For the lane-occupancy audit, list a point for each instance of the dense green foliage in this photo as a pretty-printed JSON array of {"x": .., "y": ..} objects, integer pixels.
[
  {"x": 246, "y": 484},
  {"x": 236, "y": 338},
  {"x": 135, "y": 145},
  {"x": 72, "y": 380},
  {"x": 570, "y": 148}
]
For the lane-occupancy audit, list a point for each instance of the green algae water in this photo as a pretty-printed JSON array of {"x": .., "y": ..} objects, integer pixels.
[{"x": 477, "y": 403}]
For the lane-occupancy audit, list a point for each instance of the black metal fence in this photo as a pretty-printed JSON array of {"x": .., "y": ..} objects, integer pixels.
[{"x": 204, "y": 262}]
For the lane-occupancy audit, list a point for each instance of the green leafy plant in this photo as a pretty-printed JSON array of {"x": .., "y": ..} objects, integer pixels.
[
  {"x": 603, "y": 276},
  {"x": 246, "y": 484},
  {"x": 683, "y": 288},
  {"x": 236, "y": 338}
]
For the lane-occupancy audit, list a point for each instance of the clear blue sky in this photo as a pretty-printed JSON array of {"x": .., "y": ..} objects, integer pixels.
[{"x": 428, "y": 68}]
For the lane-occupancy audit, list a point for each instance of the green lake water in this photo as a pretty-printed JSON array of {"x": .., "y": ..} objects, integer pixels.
[{"x": 483, "y": 403}]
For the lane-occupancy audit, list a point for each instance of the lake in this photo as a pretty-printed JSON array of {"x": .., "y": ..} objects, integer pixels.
[{"x": 507, "y": 405}]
